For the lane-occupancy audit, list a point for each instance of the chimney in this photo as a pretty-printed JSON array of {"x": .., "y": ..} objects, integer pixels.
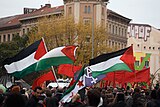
[{"x": 48, "y": 5}]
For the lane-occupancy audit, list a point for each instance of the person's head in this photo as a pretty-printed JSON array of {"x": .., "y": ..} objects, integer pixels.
[
  {"x": 15, "y": 89},
  {"x": 93, "y": 97},
  {"x": 37, "y": 91},
  {"x": 15, "y": 100},
  {"x": 153, "y": 94},
  {"x": 120, "y": 97}
]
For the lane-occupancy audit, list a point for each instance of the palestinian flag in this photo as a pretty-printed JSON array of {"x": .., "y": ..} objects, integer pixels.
[
  {"x": 115, "y": 61},
  {"x": 57, "y": 56},
  {"x": 26, "y": 60}
]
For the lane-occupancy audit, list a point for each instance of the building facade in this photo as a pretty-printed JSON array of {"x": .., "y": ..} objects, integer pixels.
[
  {"x": 146, "y": 44},
  {"x": 86, "y": 10},
  {"x": 117, "y": 29}
]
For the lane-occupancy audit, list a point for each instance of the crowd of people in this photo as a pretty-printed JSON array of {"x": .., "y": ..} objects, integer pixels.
[{"x": 16, "y": 96}]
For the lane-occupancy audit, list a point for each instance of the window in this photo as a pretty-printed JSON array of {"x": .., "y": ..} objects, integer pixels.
[
  {"x": 149, "y": 47},
  {"x": 86, "y": 21},
  {"x": 70, "y": 10},
  {"x": 23, "y": 31},
  {"x": 9, "y": 37},
  {"x": 102, "y": 11},
  {"x": 27, "y": 30},
  {"x": 144, "y": 47},
  {"x": 17, "y": 34},
  {"x": 122, "y": 31},
  {"x": 109, "y": 28},
  {"x": 85, "y": 9},
  {"x": 137, "y": 45},
  {"x": 136, "y": 63},
  {"x": 4, "y": 38},
  {"x": 113, "y": 29},
  {"x": 147, "y": 63},
  {"x": 116, "y": 30},
  {"x": 119, "y": 31},
  {"x": 153, "y": 48},
  {"x": 112, "y": 43},
  {"x": 89, "y": 9},
  {"x": 109, "y": 43}
]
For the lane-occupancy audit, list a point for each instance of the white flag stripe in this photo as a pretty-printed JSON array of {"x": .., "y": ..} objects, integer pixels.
[
  {"x": 21, "y": 64},
  {"x": 106, "y": 64},
  {"x": 56, "y": 52}
]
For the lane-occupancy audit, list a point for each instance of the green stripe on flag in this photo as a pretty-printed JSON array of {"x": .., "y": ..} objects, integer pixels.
[
  {"x": 24, "y": 72},
  {"x": 53, "y": 61}
]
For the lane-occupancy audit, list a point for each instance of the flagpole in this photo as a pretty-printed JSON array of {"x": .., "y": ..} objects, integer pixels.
[{"x": 53, "y": 71}]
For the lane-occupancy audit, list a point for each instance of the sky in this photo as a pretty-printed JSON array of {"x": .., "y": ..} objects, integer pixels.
[{"x": 140, "y": 11}]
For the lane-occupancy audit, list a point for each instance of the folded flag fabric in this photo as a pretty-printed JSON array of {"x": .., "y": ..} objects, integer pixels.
[
  {"x": 26, "y": 60},
  {"x": 45, "y": 77},
  {"x": 83, "y": 80},
  {"x": 115, "y": 61},
  {"x": 57, "y": 56},
  {"x": 78, "y": 85},
  {"x": 68, "y": 69}
]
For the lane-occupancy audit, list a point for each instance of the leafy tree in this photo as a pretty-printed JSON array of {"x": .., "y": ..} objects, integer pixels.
[
  {"x": 9, "y": 49},
  {"x": 59, "y": 31}
]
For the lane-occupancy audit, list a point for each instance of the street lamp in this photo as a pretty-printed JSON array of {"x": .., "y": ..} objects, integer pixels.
[{"x": 93, "y": 32}]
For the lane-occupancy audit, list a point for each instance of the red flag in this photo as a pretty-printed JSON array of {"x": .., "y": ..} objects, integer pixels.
[
  {"x": 68, "y": 69},
  {"x": 45, "y": 77},
  {"x": 124, "y": 77}
]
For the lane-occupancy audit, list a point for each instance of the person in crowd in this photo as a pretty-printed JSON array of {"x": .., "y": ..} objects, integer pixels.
[
  {"x": 34, "y": 100},
  {"x": 14, "y": 100},
  {"x": 119, "y": 100},
  {"x": 76, "y": 101},
  {"x": 153, "y": 102},
  {"x": 138, "y": 99},
  {"x": 54, "y": 101},
  {"x": 94, "y": 97}
]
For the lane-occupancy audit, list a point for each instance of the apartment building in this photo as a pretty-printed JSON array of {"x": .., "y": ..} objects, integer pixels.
[
  {"x": 87, "y": 10},
  {"x": 146, "y": 44}
]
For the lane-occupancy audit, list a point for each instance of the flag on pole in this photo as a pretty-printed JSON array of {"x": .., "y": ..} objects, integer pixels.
[
  {"x": 85, "y": 77},
  {"x": 45, "y": 77},
  {"x": 115, "y": 61},
  {"x": 78, "y": 85},
  {"x": 68, "y": 69},
  {"x": 57, "y": 56},
  {"x": 83, "y": 80},
  {"x": 26, "y": 60}
]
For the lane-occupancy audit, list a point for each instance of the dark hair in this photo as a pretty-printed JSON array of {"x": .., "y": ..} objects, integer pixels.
[
  {"x": 93, "y": 97},
  {"x": 15, "y": 99},
  {"x": 120, "y": 97},
  {"x": 153, "y": 94},
  {"x": 38, "y": 87}
]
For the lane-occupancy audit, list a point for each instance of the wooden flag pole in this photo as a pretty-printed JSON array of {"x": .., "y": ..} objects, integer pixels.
[{"x": 53, "y": 71}]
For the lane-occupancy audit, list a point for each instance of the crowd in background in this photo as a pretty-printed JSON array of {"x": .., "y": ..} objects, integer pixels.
[{"x": 17, "y": 96}]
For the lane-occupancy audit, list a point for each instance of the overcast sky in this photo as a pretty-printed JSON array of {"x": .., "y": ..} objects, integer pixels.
[{"x": 140, "y": 11}]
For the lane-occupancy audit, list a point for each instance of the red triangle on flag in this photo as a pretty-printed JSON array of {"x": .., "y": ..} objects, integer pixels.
[
  {"x": 128, "y": 58},
  {"x": 69, "y": 52},
  {"x": 41, "y": 50}
]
